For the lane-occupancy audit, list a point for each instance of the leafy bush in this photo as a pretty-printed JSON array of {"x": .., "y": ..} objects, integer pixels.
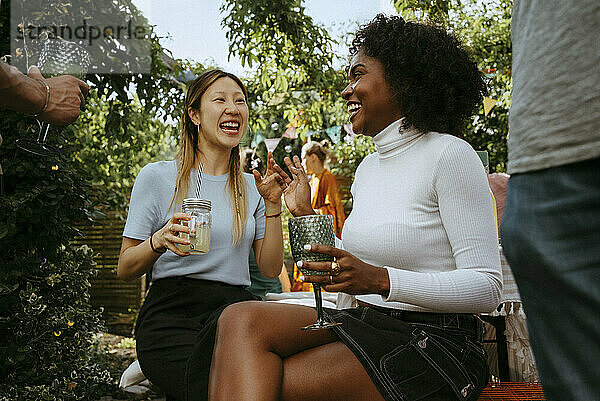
[
  {"x": 46, "y": 322},
  {"x": 126, "y": 342},
  {"x": 47, "y": 325},
  {"x": 114, "y": 150}
]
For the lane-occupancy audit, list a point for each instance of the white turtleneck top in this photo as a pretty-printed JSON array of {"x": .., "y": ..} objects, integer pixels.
[{"x": 422, "y": 209}]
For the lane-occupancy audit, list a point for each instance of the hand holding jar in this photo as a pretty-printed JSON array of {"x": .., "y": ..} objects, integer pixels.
[{"x": 168, "y": 237}]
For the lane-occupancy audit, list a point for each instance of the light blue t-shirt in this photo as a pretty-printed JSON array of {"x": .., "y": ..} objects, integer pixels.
[{"x": 149, "y": 211}]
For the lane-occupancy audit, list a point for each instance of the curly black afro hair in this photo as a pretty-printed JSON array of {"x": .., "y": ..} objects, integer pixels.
[{"x": 436, "y": 83}]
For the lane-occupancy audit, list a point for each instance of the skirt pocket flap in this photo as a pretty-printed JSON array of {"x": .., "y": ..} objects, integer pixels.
[
  {"x": 446, "y": 364},
  {"x": 407, "y": 375}
]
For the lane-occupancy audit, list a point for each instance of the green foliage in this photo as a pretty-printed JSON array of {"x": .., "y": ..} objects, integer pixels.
[
  {"x": 484, "y": 27},
  {"x": 50, "y": 333},
  {"x": 285, "y": 27},
  {"x": 436, "y": 10},
  {"x": 130, "y": 119},
  {"x": 46, "y": 322},
  {"x": 126, "y": 342},
  {"x": 487, "y": 33},
  {"x": 294, "y": 79},
  {"x": 114, "y": 152},
  {"x": 286, "y": 215}
]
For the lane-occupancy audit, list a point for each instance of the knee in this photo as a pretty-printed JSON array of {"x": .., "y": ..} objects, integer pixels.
[{"x": 239, "y": 321}]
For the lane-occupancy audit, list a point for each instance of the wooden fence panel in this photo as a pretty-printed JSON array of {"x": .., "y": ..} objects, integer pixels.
[{"x": 120, "y": 299}]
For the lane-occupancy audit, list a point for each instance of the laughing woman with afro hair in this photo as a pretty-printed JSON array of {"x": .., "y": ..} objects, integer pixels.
[{"x": 418, "y": 258}]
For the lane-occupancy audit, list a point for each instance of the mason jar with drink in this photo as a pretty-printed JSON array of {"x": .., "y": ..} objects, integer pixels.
[{"x": 199, "y": 225}]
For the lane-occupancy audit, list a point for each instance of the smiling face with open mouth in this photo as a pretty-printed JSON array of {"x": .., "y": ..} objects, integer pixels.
[
  {"x": 369, "y": 98},
  {"x": 223, "y": 114}
]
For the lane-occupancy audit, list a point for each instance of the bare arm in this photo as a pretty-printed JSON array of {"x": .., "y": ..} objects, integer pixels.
[
  {"x": 137, "y": 257},
  {"x": 269, "y": 250},
  {"x": 20, "y": 93},
  {"x": 286, "y": 286},
  {"x": 27, "y": 94}
]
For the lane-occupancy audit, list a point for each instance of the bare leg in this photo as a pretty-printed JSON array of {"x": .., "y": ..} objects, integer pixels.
[
  {"x": 329, "y": 372},
  {"x": 261, "y": 354}
]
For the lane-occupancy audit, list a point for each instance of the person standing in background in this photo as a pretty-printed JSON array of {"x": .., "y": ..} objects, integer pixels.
[
  {"x": 325, "y": 195},
  {"x": 551, "y": 224}
]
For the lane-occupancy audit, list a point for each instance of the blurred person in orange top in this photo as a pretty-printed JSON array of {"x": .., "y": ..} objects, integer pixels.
[{"x": 325, "y": 195}]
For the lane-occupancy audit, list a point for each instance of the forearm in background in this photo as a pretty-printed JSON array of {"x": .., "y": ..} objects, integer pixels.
[{"x": 20, "y": 93}]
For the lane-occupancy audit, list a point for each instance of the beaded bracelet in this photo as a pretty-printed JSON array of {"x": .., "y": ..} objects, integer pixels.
[
  {"x": 152, "y": 246},
  {"x": 272, "y": 215},
  {"x": 47, "y": 98}
]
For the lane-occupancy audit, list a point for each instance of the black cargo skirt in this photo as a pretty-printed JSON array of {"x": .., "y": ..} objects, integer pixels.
[
  {"x": 175, "y": 333},
  {"x": 414, "y": 356}
]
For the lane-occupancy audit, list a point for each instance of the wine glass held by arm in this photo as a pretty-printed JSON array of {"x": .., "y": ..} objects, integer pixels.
[
  {"x": 297, "y": 193},
  {"x": 355, "y": 276},
  {"x": 67, "y": 97}
]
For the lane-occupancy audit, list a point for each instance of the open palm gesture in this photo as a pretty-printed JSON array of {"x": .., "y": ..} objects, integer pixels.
[
  {"x": 271, "y": 186},
  {"x": 297, "y": 191}
]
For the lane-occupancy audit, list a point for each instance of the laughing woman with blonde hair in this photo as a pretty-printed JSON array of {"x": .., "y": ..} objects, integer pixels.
[{"x": 176, "y": 326}]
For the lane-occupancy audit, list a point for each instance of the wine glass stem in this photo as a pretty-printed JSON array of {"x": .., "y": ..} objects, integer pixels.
[
  {"x": 43, "y": 135},
  {"x": 318, "y": 301}
]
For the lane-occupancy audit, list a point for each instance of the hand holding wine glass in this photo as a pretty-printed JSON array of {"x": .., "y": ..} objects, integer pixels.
[
  {"x": 347, "y": 273},
  {"x": 306, "y": 230},
  {"x": 27, "y": 94},
  {"x": 67, "y": 96},
  {"x": 58, "y": 57}
]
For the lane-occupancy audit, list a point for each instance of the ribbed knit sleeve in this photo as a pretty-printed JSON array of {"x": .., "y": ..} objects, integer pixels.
[{"x": 465, "y": 205}]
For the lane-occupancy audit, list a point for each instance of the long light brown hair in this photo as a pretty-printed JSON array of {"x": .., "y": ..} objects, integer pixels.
[{"x": 189, "y": 152}]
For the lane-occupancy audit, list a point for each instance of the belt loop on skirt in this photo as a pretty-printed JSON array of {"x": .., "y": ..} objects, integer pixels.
[
  {"x": 480, "y": 329},
  {"x": 450, "y": 320}
]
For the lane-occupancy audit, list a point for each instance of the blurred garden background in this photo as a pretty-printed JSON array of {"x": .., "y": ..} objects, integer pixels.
[{"x": 61, "y": 216}]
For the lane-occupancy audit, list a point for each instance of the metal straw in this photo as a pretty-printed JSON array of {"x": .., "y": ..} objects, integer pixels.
[{"x": 199, "y": 181}]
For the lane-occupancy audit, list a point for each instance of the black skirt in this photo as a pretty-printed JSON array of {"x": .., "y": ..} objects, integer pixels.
[
  {"x": 414, "y": 356},
  {"x": 175, "y": 333}
]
